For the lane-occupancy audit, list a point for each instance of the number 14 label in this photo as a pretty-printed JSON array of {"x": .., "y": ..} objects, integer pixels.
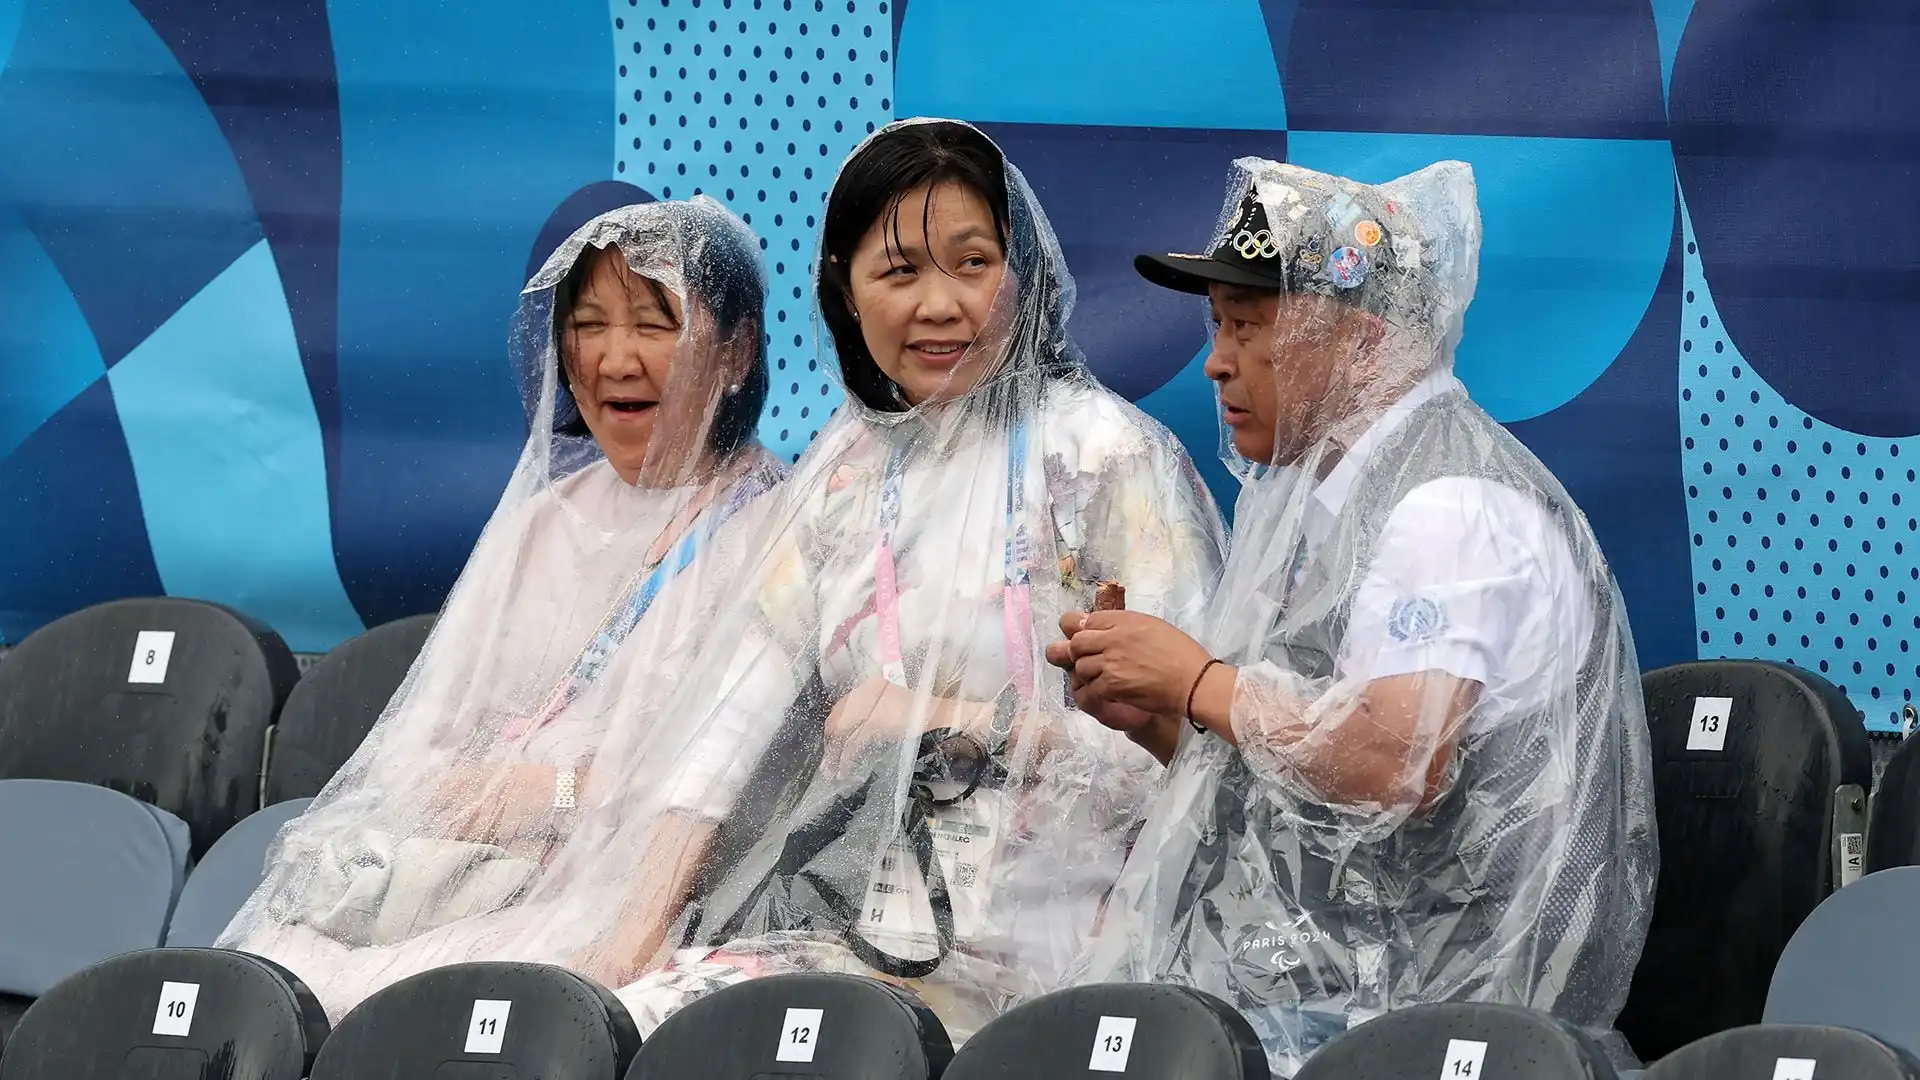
[{"x": 1464, "y": 1058}]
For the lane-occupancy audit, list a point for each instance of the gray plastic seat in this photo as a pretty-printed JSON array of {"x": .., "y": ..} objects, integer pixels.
[
  {"x": 163, "y": 1014},
  {"x": 1124, "y": 1029},
  {"x": 85, "y": 874},
  {"x": 483, "y": 1021},
  {"x": 1458, "y": 1040},
  {"x": 227, "y": 876},
  {"x": 1788, "y": 1052},
  {"x": 165, "y": 699},
  {"x": 799, "y": 1025},
  {"x": 331, "y": 709},
  {"x": 1852, "y": 962}
]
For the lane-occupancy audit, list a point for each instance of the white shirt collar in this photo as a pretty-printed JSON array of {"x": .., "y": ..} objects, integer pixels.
[{"x": 1331, "y": 493}]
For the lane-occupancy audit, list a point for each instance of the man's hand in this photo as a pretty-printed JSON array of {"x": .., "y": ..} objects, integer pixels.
[{"x": 1124, "y": 658}]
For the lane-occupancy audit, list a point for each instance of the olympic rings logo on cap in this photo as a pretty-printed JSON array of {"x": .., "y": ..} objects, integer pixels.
[{"x": 1256, "y": 245}]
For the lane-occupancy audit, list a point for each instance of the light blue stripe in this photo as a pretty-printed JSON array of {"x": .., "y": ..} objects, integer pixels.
[
  {"x": 1577, "y": 233},
  {"x": 1144, "y": 63},
  {"x": 227, "y": 454}
]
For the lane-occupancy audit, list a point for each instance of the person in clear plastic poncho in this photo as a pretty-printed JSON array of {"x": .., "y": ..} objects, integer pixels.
[
  {"x": 1408, "y": 760},
  {"x": 876, "y": 772},
  {"x": 459, "y": 829}
]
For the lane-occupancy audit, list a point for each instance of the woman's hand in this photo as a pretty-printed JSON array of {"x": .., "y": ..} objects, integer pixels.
[
  {"x": 878, "y": 713},
  {"x": 1127, "y": 667},
  {"x": 486, "y": 802}
]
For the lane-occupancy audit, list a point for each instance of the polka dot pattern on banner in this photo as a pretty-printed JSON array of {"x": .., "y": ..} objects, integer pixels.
[
  {"x": 756, "y": 103},
  {"x": 1806, "y": 538}
]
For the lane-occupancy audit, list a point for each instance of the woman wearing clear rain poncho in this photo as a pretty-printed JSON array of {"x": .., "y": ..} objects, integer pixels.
[
  {"x": 1408, "y": 757},
  {"x": 460, "y": 829},
  {"x": 883, "y": 777}
]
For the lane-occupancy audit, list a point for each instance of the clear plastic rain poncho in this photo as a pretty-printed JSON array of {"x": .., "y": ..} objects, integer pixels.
[
  {"x": 458, "y": 829},
  {"x": 1442, "y": 788},
  {"x": 963, "y": 842}
]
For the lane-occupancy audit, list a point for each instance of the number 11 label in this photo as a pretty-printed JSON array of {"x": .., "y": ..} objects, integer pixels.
[
  {"x": 1112, "y": 1044},
  {"x": 487, "y": 1031},
  {"x": 799, "y": 1035}
]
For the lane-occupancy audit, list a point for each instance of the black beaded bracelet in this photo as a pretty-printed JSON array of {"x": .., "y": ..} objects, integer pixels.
[{"x": 1197, "y": 680}]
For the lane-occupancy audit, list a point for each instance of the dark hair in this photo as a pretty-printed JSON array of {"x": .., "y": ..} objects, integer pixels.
[
  {"x": 870, "y": 187},
  {"x": 726, "y": 279}
]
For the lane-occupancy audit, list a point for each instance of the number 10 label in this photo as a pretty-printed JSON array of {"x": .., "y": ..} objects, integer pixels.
[
  {"x": 175, "y": 1014},
  {"x": 487, "y": 1031},
  {"x": 1112, "y": 1044}
]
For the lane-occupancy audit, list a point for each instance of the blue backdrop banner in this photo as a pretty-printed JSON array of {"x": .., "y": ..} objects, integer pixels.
[{"x": 257, "y": 259}]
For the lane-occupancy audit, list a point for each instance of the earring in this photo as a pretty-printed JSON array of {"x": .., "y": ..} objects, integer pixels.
[
  {"x": 734, "y": 389},
  {"x": 856, "y": 316}
]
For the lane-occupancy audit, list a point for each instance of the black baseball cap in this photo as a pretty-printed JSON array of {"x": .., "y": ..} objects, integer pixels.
[{"x": 1258, "y": 261}]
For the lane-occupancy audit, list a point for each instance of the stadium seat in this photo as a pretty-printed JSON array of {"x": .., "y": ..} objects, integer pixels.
[
  {"x": 227, "y": 876},
  {"x": 1787, "y": 1052},
  {"x": 1760, "y": 774},
  {"x": 1893, "y": 833},
  {"x": 482, "y": 1022},
  {"x": 1148, "y": 1032},
  {"x": 166, "y": 700},
  {"x": 333, "y": 707},
  {"x": 167, "y": 1013},
  {"x": 798, "y": 1025},
  {"x": 1459, "y": 1040},
  {"x": 1855, "y": 962},
  {"x": 85, "y": 874}
]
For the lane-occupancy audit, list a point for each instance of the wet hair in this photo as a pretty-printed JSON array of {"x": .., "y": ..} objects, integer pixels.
[
  {"x": 869, "y": 189},
  {"x": 725, "y": 277}
]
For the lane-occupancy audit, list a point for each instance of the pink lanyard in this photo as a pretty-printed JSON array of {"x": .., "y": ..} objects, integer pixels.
[{"x": 1016, "y": 592}]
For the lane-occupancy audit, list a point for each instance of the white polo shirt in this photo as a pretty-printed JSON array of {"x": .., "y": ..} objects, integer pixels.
[{"x": 1470, "y": 577}]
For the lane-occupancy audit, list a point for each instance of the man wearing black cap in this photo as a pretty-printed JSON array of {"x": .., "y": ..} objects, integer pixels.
[{"x": 1407, "y": 757}]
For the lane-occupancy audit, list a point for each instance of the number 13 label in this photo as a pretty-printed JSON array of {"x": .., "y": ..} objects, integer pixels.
[
  {"x": 799, "y": 1035},
  {"x": 1112, "y": 1044},
  {"x": 487, "y": 1031},
  {"x": 1711, "y": 716}
]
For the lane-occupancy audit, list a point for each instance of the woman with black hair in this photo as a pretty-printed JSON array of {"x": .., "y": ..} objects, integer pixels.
[
  {"x": 458, "y": 829},
  {"x": 875, "y": 771}
]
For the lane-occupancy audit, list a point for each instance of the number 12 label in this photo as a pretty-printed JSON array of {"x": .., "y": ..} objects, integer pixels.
[
  {"x": 799, "y": 1035},
  {"x": 1112, "y": 1044},
  {"x": 487, "y": 1031}
]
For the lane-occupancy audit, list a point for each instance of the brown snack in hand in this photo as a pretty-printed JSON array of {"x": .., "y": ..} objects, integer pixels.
[{"x": 1110, "y": 596}]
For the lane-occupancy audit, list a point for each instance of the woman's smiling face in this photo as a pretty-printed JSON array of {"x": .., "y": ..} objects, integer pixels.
[
  {"x": 922, "y": 283},
  {"x": 621, "y": 337}
]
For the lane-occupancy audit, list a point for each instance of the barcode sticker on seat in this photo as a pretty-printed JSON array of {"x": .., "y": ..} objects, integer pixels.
[
  {"x": 1853, "y": 849},
  {"x": 1793, "y": 1069},
  {"x": 175, "y": 1014},
  {"x": 1711, "y": 715},
  {"x": 799, "y": 1034},
  {"x": 1464, "y": 1058},
  {"x": 1112, "y": 1044},
  {"x": 151, "y": 651},
  {"x": 487, "y": 1031}
]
